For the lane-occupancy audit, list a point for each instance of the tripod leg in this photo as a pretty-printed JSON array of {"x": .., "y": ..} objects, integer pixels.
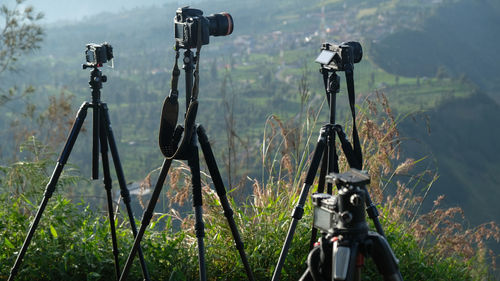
[
  {"x": 344, "y": 261},
  {"x": 329, "y": 164},
  {"x": 51, "y": 186},
  {"x": 122, "y": 183},
  {"x": 194, "y": 166},
  {"x": 95, "y": 139},
  {"x": 146, "y": 217},
  {"x": 384, "y": 258},
  {"x": 299, "y": 209},
  {"x": 109, "y": 196},
  {"x": 221, "y": 193},
  {"x": 321, "y": 189},
  {"x": 373, "y": 213}
]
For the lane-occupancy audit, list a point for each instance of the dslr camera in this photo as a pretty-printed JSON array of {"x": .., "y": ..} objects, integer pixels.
[
  {"x": 340, "y": 57},
  {"x": 97, "y": 55},
  {"x": 188, "y": 22}
]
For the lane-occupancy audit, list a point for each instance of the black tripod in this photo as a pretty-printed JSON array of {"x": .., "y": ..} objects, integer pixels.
[
  {"x": 325, "y": 152},
  {"x": 103, "y": 136},
  {"x": 169, "y": 138},
  {"x": 346, "y": 240}
]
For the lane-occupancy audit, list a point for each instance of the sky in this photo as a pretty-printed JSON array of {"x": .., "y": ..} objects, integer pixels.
[{"x": 76, "y": 10}]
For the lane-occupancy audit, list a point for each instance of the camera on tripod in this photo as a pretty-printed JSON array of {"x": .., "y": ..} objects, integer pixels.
[
  {"x": 189, "y": 21},
  {"x": 97, "y": 55},
  {"x": 334, "y": 214},
  {"x": 340, "y": 57},
  {"x": 346, "y": 239}
]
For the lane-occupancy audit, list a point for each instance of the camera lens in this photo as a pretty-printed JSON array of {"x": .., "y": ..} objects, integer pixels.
[
  {"x": 357, "y": 50},
  {"x": 220, "y": 24}
]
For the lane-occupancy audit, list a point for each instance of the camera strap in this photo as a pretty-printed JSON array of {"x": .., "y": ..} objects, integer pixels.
[
  {"x": 358, "y": 155},
  {"x": 353, "y": 153},
  {"x": 169, "y": 114},
  {"x": 170, "y": 133}
]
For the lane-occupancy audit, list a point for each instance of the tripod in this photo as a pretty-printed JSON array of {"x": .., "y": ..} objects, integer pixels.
[
  {"x": 325, "y": 153},
  {"x": 103, "y": 136},
  {"x": 346, "y": 240},
  {"x": 188, "y": 150}
]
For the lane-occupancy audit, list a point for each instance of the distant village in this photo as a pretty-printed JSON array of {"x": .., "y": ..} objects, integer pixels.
[{"x": 342, "y": 25}]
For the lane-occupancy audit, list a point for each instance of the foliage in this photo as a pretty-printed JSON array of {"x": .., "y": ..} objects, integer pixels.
[
  {"x": 20, "y": 34},
  {"x": 73, "y": 242}
]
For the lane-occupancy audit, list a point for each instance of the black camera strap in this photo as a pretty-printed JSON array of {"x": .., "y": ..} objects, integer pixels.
[
  {"x": 169, "y": 113},
  {"x": 170, "y": 132},
  {"x": 353, "y": 153},
  {"x": 358, "y": 155}
]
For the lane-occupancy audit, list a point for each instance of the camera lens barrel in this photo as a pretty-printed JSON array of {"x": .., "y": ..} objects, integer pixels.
[
  {"x": 220, "y": 24},
  {"x": 357, "y": 50}
]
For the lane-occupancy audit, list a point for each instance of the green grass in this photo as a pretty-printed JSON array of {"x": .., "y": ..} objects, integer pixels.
[{"x": 72, "y": 241}]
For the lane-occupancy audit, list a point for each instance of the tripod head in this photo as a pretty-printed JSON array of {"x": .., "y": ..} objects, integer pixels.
[
  {"x": 96, "y": 80},
  {"x": 342, "y": 214}
]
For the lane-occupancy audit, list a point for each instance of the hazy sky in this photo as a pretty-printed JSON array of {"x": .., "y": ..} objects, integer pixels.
[{"x": 74, "y": 10}]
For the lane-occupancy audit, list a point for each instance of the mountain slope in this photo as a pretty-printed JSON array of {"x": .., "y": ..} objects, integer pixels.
[{"x": 460, "y": 39}]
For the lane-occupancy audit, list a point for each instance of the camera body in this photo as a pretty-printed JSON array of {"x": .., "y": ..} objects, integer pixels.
[
  {"x": 338, "y": 214},
  {"x": 188, "y": 22},
  {"x": 98, "y": 54},
  {"x": 340, "y": 57},
  {"x": 345, "y": 212}
]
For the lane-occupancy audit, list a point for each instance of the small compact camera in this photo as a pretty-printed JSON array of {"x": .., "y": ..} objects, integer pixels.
[
  {"x": 188, "y": 22},
  {"x": 340, "y": 57},
  {"x": 97, "y": 55},
  {"x": 335, "y": 214}
]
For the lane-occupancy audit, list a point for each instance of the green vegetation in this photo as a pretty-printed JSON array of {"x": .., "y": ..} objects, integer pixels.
[
  {"x": 73, "y": 241},
  {"x": 261, "y": 101}
]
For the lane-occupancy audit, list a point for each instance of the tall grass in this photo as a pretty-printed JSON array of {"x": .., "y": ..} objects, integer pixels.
[{"x": 73, "y": 241}]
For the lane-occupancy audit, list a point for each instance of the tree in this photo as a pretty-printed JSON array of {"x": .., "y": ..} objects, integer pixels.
[{"x": 20, "y": 34}]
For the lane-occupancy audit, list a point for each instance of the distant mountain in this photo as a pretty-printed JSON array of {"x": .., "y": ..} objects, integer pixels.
[
  {"x": 461, "y": 136},
  {"x": 459, "y": 39}
]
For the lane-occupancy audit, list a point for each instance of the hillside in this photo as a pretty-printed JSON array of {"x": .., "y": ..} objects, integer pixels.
[
  {"x": 261, "y": 64},
  {"x": 453, "y": 41},
  {"x": 458, "y": 134}
]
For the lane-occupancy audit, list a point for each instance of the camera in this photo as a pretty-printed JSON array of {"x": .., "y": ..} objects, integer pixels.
[
  {"x": 338, "y": 214},
  {"x": 340, "y": 57},
  {"x": 188, "y": 22},
  {"x": 334, "y": 214},
  {"x": 346, "y": 239},
  {"x": 97, "y": 55}
]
